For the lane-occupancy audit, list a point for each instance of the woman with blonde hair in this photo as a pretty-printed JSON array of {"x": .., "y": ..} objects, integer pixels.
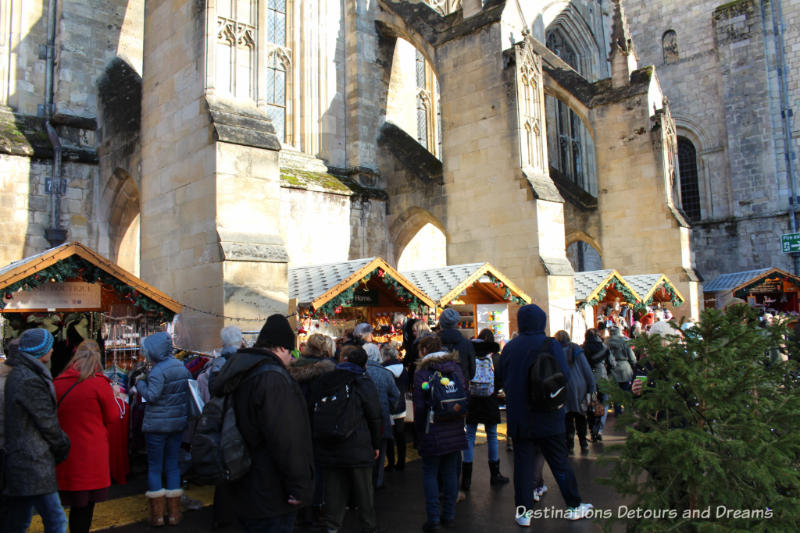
[{"x": 86, "y": 407}]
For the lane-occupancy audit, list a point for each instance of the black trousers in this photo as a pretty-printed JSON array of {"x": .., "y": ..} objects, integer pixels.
[
  {"x": 349, "y": 485},
  {"x": 576, "y": 421},
  {"x": 399, "y": 434}
]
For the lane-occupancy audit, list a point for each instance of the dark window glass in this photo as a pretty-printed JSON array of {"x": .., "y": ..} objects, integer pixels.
[{"x": 690, "y": 189}]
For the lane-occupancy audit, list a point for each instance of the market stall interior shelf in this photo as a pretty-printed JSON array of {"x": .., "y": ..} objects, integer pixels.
[
  {"x": 767, "y": 288},
  {"x": 478, "y": 291},
  {"x": 656, "y": 289},
  {"x": 334, "y": 297},
  {"x": 77, "y": 294}
]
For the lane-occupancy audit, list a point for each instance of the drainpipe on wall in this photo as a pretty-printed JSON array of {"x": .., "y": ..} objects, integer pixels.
[
  {"x": 55, "y": 234},
  {"x": 786, "y": 117}
]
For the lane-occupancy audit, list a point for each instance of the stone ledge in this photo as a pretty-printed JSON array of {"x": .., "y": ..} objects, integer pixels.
[
  {"x": 557, "y": 266},
  {"x": 543, "y": 187},
  {"x": 25, "y": 135},
  {"x": 572, "y": 192},
  {"x": 410, "y": 153},
  {"x": 293, "y": 178},
  {"x": 237, "y": 246},
  {"x": 242, "y": 125}
]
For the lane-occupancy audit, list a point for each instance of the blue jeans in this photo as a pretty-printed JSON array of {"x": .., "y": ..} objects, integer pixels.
[
  {"x": 283, "y": 523},
  {"x": 491, "y": 440},
  {"x": 20, "y": 510},
  {"x": 162, "y": 460},
  {"x": 554, "y": 449},
  {"x": 444, "y": 466}
]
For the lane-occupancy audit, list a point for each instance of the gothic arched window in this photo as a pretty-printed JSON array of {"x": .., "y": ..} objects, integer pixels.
[
  {"x": 569, "y": 145},
  {"x": 276, "y": 95},
  {"x": 669, "y": 44},
  {"x": 562, "y": 48},
  {"x": 690, "y": 188}
]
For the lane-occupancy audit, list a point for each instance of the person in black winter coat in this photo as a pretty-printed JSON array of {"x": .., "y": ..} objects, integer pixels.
[
  {"x": 454, "y": 341},
  {"x": 272, "y": 415},
  {"x": 35, "y": 442},
  {"x": 398, "y": 412},
  {"x": 597, "y": 354},
  {"x": 348, "y": 464},
  {"x": 483, "y": 410}
]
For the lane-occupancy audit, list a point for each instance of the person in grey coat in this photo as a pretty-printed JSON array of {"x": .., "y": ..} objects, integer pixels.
[
  {"x": 35, "y": 442},
  {"x": 621, "y": 361},
  {"x": 580, "y": 385},
  {"x": 388, "y": 395},
  {"x": 165, "y": 393}
]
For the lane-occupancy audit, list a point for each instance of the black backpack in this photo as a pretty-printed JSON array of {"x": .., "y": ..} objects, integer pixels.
[
  {"x": 219, "y": 451},
  {"x": 547, "y": 384},
  {"x": 336, "y": 415},
  {"x": 447, "y": 399}
]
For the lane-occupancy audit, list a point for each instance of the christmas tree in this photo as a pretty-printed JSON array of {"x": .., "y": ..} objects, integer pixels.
[{"x": 713, "y": 442}]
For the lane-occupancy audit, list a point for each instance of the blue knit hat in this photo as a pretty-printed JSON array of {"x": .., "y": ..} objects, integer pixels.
[{"x": 35, "y": 342}]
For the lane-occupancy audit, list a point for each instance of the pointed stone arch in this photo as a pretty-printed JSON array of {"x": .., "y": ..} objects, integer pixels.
[
  {"x": 120, "y": 214},
  {"x": 407, "y": 225}
]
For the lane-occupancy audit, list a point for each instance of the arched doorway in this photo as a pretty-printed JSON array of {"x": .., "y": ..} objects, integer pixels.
[{"x": 427, "y": 249}]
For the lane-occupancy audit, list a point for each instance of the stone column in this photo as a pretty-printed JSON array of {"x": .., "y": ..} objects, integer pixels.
[{"x": 211, "y": 233}]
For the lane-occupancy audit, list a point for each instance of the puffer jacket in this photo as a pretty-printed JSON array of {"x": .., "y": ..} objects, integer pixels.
[
  {"x": 34, "y": 440},
  {"x": 388, "y": 394},
  {"x": 622, "y": 359},
  {"x": 165, "y": 390},
  {"x": 441, "y": 437},
  {"x": 581, "y": 380}
]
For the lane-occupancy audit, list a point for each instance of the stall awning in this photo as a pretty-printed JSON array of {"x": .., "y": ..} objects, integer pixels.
[
  {"x": 650, "y": 286},
  {"x": 770, "y": 281},
  {"x": 74, "y": 261},
  {"x": 728, "y": 282},
  {"x": 324, "y": 287},
  {"x": 591, "y": 287},
  {"x": 446, "y": 284}
]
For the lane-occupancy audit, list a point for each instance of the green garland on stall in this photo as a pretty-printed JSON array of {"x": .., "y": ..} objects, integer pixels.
[
  {"x": 673, "y": 296},
  {"x": 74, "y": 267},
  {"x": 625, "y": 291},
  {"x": 345, "y": 298},
  {"x": 507, "y": 294}
]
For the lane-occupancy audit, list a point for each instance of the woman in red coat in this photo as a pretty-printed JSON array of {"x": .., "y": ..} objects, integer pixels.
[{"x": 86, "y": 407}]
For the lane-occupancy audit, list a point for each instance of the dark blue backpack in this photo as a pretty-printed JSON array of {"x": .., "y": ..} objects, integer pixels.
[{"x": 447, "y": 398}]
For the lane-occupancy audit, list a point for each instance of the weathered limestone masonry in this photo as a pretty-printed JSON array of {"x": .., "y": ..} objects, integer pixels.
[
  {"x": 211, "y": 231},
  {"x": 491, "y": 208},
  {"x": 722, "y": 82}
]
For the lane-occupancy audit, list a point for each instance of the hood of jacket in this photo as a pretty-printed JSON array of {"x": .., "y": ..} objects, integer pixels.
[
  {"x": 531, "y": 319},
  {"x": 394, "y": 366},
  {"x": 158, "y": 346},
  {"x": 310, "y": 368},
  {"x": 438, "y": 360},
  {"x": 238, "y": 366},
  {"x": 451, "y": 336}
]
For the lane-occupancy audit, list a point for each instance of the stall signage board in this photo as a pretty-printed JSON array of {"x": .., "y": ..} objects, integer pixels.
[
  {"x": 365, "y": 298},
  {"x": 790, "y": 242},
  {"x": 67, "y": 295}
]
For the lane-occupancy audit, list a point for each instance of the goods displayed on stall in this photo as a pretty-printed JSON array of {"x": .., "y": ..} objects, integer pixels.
[
  {"x": 766, "y": 288},
  {"x": 333, "y": 298},
  {"x": 77, "y": 294},
  {"x": 605, "y": 293},
  {"x": 479, "y": 292}
]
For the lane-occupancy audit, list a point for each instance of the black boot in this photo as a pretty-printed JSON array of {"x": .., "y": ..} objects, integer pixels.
[
  {"x": 466, "y": 476},
  {"x": 496, "y": 477}
]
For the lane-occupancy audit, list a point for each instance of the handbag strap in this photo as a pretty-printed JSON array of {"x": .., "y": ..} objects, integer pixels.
[{"x": 65, "y": 394}]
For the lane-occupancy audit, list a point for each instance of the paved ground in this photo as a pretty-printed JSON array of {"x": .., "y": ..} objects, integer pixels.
[{"x": 401, "y": 506}]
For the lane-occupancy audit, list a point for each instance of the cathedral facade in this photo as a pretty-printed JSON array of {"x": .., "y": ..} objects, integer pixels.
[{"x": 208, "y": 145}]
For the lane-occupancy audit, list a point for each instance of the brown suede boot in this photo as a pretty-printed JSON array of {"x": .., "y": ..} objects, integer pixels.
[
  {"x": 174, "y": 506},
  {"x": 156, "y": 500}
]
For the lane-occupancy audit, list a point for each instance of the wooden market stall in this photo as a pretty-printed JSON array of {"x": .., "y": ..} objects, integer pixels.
[
  {"x": 766, "y": 288},
  {"x": 482, "y": 295},
  {"x": 333, "y": 298},
  {"x": 657, "y": 291},
  {"x": 605, "y": 293},
  {"x": 76, "y": 294}
]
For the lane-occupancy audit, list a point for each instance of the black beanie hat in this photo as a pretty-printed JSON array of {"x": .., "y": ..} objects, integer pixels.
[{"x": 276, "y": 333}]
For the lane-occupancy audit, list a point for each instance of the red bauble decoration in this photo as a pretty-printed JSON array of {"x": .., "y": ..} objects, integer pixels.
[
  {"x": 8, "y": 296},
  {"x": 338, "y": 310},
  {"x": 381, "y": 273}
]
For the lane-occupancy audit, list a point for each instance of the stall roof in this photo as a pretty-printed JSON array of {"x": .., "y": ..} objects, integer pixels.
[
  {"x": 728, "y": 282},
  {"x": 446, "y": 283},
  {"x": 646, "y": 285},
  {"x": 589, "y": 284},
  {"x": 315, "y": 285},
  {"x": 19, "y": 270}
]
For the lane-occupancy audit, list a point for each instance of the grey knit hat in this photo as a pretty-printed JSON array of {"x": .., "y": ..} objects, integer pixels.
[{"x": 449, "y": 318}]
